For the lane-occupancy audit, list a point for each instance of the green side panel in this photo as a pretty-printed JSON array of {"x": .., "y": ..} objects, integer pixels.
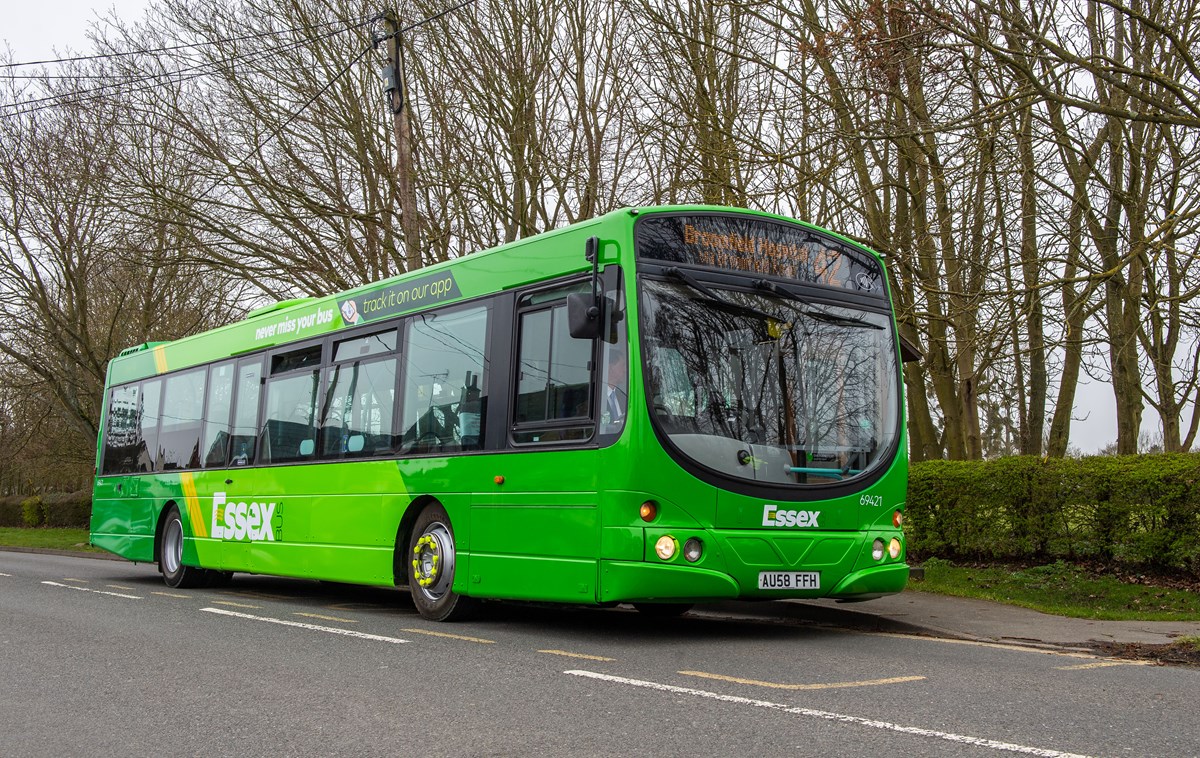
[
  {"x": 123, "y": 522},
  {"x": 873, "y": 582},
  {"x": 134, "y": 547},
  {"x": 622, "y": 581},
  {"x": 546, "y": 524},
  {"x": 517, "y": 577},
  {"x": 623, "y": 543}
]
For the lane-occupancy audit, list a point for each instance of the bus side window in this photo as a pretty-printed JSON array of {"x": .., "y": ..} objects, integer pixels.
[
  {"x": 214, "y": 441},
  {"x": 122, "y": 436},
  {"x": 245, "y": 412},
  {"x": 183, "y": 410},
  {"x": 356, "y": 415},
  {"x": 291, "y": 399},
  {"x": 148, "y": 413},
  {"x": 554, "y": 378},
  {"x": 445, "y": 381}
]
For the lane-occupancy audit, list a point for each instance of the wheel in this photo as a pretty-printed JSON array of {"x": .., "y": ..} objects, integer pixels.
[
  {"x": 663, "y": 610},
  {"x": 431, "y": 573},
  {"x": 170, "y": 555}
]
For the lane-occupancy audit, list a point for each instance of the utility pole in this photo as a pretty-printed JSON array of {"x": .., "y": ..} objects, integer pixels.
[{"x": 393, "y": 78}]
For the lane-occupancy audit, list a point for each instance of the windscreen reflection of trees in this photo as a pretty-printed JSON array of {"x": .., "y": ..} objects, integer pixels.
[{"x": 799, "y": 382}]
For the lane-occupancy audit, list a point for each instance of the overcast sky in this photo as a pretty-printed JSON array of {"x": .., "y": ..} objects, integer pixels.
[{"x": 32, "y": 32}]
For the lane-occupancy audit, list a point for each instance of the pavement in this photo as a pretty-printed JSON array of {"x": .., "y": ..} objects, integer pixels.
[{"x": 925, "y": 613}]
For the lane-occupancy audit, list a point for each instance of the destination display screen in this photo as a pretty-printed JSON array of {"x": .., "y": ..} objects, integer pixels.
[{"x": 760, "y": 246}]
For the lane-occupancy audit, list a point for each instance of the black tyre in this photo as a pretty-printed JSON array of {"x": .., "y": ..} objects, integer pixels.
[
  {"x": 663, "y": 610},
  {"x": 431, "y": 568},
  {"x": 170, "y": 555}
]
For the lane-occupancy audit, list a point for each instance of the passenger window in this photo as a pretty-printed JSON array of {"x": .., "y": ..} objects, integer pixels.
[
  {"x": 445, "y": 381},
  {"x": 244, "y": 433},
  {"x": 291, "y": 413},
  {"x": 214, "y": 442},
  {"x": 365, "y": 347},
  {"x": 182, "y": 417},
  {"x": 358, "y": 410},
  {"x": 122, "y": 438},
  {"x": 148, "y": 410}
]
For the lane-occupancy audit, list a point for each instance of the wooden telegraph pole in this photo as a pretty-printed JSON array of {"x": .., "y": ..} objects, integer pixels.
[{"x": 393, "y": 77}]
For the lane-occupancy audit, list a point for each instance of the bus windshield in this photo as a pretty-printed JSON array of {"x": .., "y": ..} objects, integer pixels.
[{"x": 767, "y": 386}]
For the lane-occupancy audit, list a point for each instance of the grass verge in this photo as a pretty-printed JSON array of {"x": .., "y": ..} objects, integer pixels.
[
  {"x": 48, "y": 538},
  {"x": 1063, "y": 590}
]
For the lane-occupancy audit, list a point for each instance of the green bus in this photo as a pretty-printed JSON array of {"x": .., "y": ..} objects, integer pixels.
[{"x": 658, "y": 406}]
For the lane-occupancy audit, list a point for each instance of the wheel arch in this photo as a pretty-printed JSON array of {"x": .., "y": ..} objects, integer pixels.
[{"x": 403, "y": 532}]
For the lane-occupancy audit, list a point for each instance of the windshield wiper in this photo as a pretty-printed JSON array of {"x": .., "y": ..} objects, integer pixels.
[
  {"x": 810, "y": 310},
  {"x": 720, "y": 301}
]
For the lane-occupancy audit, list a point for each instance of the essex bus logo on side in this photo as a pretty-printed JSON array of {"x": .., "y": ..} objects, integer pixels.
[
  {"x": 772, "y": 516},
  {"x": 242, "y": 521}
]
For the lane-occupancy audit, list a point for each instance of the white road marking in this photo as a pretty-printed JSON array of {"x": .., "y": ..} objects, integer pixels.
[
  {"x": 98, "y": 592},
  {"x": 828, "y": 716},
  {"x": 5, "y": 574},
  {"x": 302, "y": 625}
]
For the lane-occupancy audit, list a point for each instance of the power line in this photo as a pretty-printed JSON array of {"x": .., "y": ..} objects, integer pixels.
[
  {"x": 189, "y": 46},
  {"x": 156, "y": 80}
]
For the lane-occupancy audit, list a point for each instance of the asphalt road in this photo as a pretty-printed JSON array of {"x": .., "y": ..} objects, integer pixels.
[{"x": 99, "y": 658}]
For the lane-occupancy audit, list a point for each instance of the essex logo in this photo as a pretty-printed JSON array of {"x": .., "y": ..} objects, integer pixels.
[
  {"x": 242, "y": 521},
  {"x": 772, "y": 516}
]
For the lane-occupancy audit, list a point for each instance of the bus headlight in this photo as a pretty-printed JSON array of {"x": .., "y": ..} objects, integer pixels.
[
  {"x": 894, "y": 548},
  {"x": 692, "y": 550},
  {"x": 665, "y": 547},
  {"x": 877, "y": 550}
]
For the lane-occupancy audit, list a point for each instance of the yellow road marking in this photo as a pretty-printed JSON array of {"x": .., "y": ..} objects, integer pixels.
[
  {"x": 1104, "y": 664},
  {"x": 325, "y": 618},
  {"x": 168, "y": 594},
  {"x": 235, "y": 605},
  {"x": 256, "y": 594},
  {"x": 118, "y": 586},
  {"x": 464, "y": 638},
  {"x": 982, "y": 643},
  {"x": 577, "y": 655},
  {"x": 829, "y": 686}
]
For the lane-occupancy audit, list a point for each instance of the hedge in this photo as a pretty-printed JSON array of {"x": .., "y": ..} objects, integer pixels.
[
  {"x": 1140, "y": 511},
  {"x": 67, "y": 509}
]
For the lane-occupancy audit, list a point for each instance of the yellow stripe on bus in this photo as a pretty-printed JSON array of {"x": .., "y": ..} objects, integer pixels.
[
  {"x": 193, "y": 504},
  {"x": 160, "y": 359}
]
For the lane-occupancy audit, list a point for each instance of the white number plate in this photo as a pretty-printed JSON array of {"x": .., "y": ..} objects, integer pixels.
[{"x": 789, "y": 580}]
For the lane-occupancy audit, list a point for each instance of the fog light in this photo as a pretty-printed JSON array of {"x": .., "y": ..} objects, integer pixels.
[
  {"x": 692, "y": 550},
  {"x": 877, "y": 550},
  {"x": 897, "y": 519},
  {"x": 665, "y": 547},
  {"x": 649, "y": 511},
  {"x": 894, "y": 548}
]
